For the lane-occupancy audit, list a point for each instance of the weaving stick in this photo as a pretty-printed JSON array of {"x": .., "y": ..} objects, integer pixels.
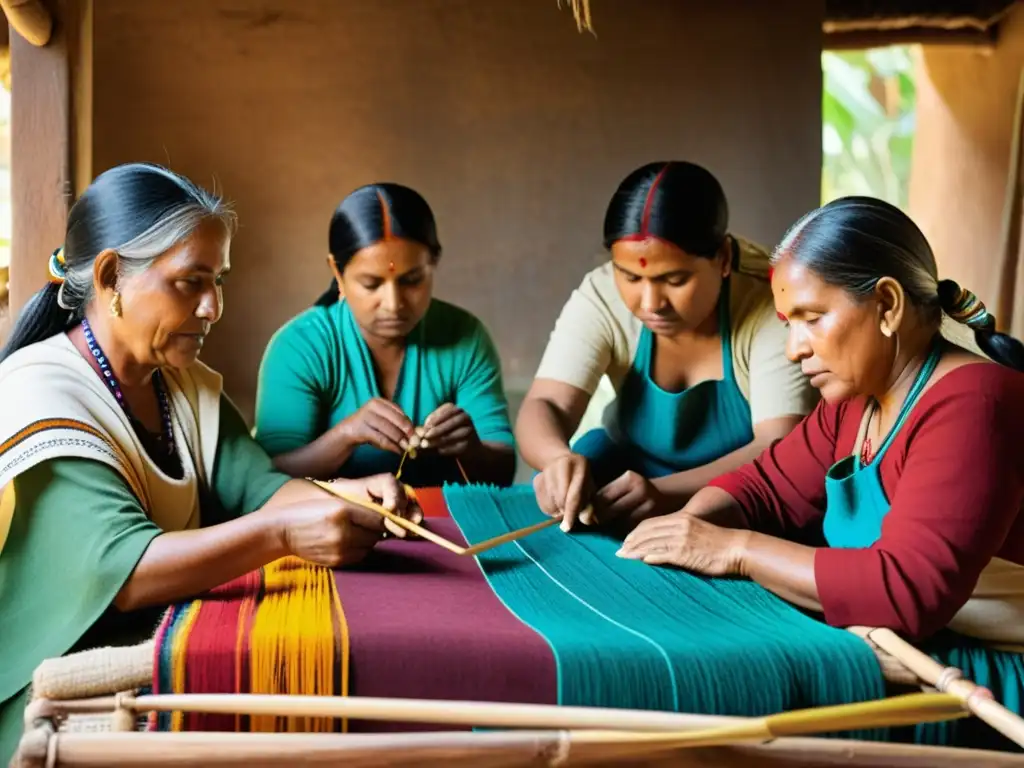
[
  {"x": 897, "y": 710},
  {"x": 433, "y": 711},
  {"x": 419, "y": 530},
  {"x": 499, "y": 749},
  {"x": 673, "y": 730},
  {"x": 909, "y": 709},
  {"x": 977, "y": 700},
  {"x": 387, "y": 514}
]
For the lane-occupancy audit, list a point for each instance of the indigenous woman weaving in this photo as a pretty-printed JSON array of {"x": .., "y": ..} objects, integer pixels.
[
  {"x": 379, "y": 376},
  {"x": 897, "y": 502},
  {"x": 129, "y": 480},
  {"x": 681, "y": 322}
]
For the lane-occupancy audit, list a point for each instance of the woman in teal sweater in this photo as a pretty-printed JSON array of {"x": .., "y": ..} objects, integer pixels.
[{"x": 378, "y": 364}]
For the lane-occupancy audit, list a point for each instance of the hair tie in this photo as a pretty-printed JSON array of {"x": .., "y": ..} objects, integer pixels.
[
  {"x": 56, "y": 266},
  {"x": 57, "y": 275},
  {"x": 965, "y": 307}
]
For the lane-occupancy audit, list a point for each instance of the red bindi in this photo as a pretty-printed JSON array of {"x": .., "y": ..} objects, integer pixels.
[
  {"x": 781, "y": 316},
  {"x": 643, "y": 262},
  {"x": 391, "y": 266}
]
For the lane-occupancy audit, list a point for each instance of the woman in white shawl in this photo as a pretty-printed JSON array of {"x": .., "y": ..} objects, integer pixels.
[{"x": 129, "y": 480}]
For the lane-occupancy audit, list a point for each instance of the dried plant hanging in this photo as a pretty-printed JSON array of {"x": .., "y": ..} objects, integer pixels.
[{"x": 581, "y": 12}]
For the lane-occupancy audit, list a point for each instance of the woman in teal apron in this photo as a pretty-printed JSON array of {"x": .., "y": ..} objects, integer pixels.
[
  {"x": 897, "y": 502},
  {"x": 681, "y": 323},
  {"x": 378, "y": 366}
]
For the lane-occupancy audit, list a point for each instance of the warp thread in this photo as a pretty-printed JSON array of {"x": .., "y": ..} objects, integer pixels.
[
  {"x": 625, "y": 634},
  {"x": 289, "y": 636}
]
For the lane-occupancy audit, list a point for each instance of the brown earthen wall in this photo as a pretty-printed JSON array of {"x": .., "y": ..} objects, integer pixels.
[{"x": 515, "y": 127}]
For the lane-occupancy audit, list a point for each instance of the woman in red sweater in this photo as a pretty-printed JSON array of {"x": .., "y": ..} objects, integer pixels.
[{"x": 896, "y": 503}]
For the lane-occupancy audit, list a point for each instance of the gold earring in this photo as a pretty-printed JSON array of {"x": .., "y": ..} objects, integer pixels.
[{"x": 115, "y": 305}]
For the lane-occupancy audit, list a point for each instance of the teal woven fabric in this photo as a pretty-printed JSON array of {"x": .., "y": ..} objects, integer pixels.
[{"x": 625, "y": 634}]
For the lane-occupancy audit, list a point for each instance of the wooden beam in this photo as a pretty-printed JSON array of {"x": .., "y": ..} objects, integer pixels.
[
  {"x": 857, "y": 39},
  {"x": 80, "y": 55},
  {"x": 50, "y": 95}
]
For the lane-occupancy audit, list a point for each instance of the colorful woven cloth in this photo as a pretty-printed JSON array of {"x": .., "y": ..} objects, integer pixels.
[{"x": 549, "y": 619}]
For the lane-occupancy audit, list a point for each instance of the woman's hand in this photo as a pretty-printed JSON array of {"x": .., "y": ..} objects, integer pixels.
[
  {"x": 330, "y": 531},
  {"x": 335, "y": 532},
  {"x": 385, "y": 490},
  {"x": 682, "y": 540},
  {"x": 564, "y": 488},
  {"x": 629, "y": 495},
  {"x": 380, "y": 423},
  {"x": 449, "y": 431}
]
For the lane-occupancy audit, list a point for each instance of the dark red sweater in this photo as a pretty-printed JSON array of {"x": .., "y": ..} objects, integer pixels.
[{"x": 954, "y": 475}]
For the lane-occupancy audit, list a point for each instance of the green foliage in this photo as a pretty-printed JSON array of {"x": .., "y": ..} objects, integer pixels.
[{"x": 867, "y": 123}]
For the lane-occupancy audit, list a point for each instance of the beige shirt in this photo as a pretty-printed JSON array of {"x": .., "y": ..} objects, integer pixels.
[{"x": 596, "y": 337}]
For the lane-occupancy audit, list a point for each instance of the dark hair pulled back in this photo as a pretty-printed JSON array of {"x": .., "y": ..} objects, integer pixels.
[
  {"x": 678, "y": 202},
  {"x": 139, "y": 210},
  {"x": 371, "y": 214},
  {"x": 854, "y": 242}
]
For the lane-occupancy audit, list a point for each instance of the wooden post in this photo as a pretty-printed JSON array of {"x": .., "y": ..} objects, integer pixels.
[{"x": 46, "y": 146}]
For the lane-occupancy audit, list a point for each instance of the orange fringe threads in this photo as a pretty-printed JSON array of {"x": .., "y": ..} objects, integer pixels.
[{"x": 298, "y": 627}]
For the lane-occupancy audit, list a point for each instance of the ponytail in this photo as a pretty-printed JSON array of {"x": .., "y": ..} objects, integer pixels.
[
  {"x": 40, "y": 319},
  {"x": 966, "y": 308},
  {"x": 853, "y": 242}
]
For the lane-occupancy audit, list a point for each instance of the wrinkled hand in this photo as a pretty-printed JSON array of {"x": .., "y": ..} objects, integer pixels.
[
  {"x": 688, "y": 542},
  {"x": 380, "y": 423},
  {"x": 629, "y": 495},
  {"x": 564, "y": 488},
  {"x": 449, "y": 431},
  {"x": 330, "y": 531}
]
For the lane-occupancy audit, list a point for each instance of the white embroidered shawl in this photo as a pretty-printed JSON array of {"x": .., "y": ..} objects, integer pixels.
[{"x": 53, "y": 405}]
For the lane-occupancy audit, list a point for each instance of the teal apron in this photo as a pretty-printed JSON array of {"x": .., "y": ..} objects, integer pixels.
[
  {"x": 856, "y": 505},
  {"x": 657, "y": 433}
]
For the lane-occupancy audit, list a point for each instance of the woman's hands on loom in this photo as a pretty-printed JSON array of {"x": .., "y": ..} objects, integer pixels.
[
  {"x": 564, "y": 489},
  {"x": 333, "y": 532},
  {"x": 686, "y": 541},
  {"x": 629, "y": 496}
]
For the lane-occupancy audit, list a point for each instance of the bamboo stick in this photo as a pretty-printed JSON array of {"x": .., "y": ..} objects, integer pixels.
[
  {"x": 156, "y": 750},
  {"x": 387, "y": 514},
  {"x": 611, "y": 726},
  {"x": 497, "y": 541},
  {"x": 254, "y": 749},
  {"x": 976, "y": 699},
  {"x": 899, "y": 710},
  {"x": 464, "y": 713},
  {"x": 480, "y": 750},
  {"x": 150, "y": 750},
  {"x": 419, "y": 530}
]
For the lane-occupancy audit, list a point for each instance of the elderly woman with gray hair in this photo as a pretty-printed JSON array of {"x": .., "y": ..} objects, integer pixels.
[
  {"x": 129, "y": 481},
  {"x": 897, "y": 502}
]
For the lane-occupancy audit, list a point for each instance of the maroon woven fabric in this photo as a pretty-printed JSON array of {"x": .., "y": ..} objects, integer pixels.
[{"x": 424, "y": 623}]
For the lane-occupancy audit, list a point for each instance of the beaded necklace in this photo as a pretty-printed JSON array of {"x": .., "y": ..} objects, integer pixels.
[{"x": 166, "y": 440}]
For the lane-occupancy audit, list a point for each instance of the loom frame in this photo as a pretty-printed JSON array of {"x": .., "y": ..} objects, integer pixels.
[
  {"x": 52, "y": 739},
  {"x": 86, "y": 706}
]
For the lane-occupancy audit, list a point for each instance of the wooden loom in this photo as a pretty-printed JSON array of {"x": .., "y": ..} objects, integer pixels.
[
  {"x": 86, "y": 706},
  {"x": 77, "y": 725}
]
